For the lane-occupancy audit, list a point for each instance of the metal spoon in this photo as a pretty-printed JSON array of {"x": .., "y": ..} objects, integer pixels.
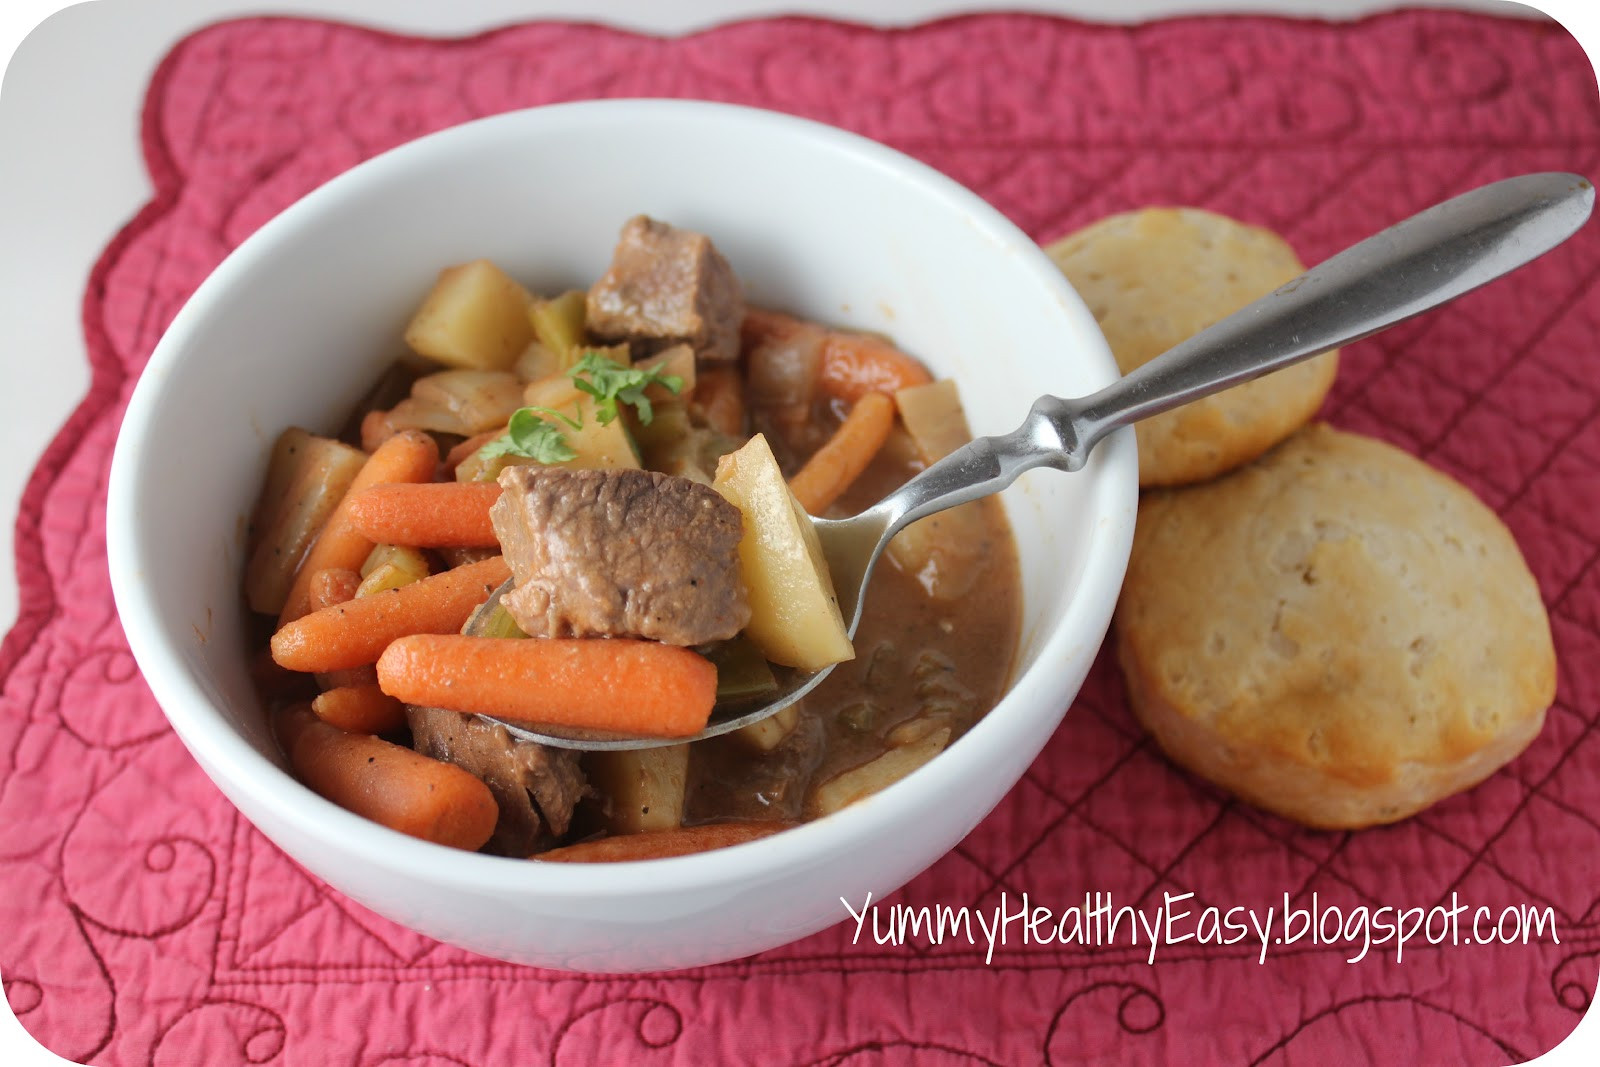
[{"x": 1412, "y": 267}]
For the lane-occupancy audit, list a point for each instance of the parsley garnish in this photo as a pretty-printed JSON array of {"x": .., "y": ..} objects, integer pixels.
[
  {"x": 610, "y": 382},
  {"x": 531, "y": 434}
]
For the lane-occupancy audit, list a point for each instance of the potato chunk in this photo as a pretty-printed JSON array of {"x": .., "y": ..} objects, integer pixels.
[
  {"x": 645, "y": 787},
  {"x": 945, "y": 552},
  {"x": 860, "y": 782},
  {"x": 306, "y": 479},
  {"x": 475, "y": 317},
  {"x": 794, "y": 614}
]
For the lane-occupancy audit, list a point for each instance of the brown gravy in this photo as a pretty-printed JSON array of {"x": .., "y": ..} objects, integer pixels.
[{"x": 914, "y": 656}]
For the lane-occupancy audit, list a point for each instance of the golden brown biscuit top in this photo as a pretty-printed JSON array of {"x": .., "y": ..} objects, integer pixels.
[{"x": 1337, "y": 604}]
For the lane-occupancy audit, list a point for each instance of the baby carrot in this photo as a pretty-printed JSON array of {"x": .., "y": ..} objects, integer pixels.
[
  {"x": 719, "y": 397},
  {"x": 843, "y": 457},
  {"x": 408, "y": 456},
  {"x": 356, "y": 632},
  {"x": 854, "y": 364},
  {"x": 360, "y": 709},
  {"x": 375, "y": 430},
  {"x": 761, "y": 325},
  {"x": 618, "y": 684},
  {"x": 659, "y": 844},
  {"x": 387, "y": 783},
  {"x": 330, "y": 586},
  {"x": 427, "y": 514}
]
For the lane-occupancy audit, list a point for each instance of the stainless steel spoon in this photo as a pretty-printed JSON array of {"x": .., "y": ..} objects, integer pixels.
[{"x": 1412, "y": 267}]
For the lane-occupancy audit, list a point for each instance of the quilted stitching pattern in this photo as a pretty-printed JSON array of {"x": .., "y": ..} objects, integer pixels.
[{"x": 148, "y": 923}]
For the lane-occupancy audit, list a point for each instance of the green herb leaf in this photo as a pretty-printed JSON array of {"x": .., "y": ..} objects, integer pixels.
[
  {"x": 531, "y": 434},
  {"x": 612, "y": 384}
]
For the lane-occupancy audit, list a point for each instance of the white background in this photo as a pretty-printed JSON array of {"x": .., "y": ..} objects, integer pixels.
[{"x": 71, "y": 175}]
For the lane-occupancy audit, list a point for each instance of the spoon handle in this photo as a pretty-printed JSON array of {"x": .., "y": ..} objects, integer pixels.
[{"x": 1412, "y": 267}]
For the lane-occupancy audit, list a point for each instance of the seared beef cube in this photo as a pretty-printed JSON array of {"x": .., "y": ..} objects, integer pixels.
[
  {"x": 666, "y": 286},
  {"x": 536, "y": 786},
  {"x": 620, "y": 553}
]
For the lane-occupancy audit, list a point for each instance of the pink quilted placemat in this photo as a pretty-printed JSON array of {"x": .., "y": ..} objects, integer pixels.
[{"x": 146, "y": 922}]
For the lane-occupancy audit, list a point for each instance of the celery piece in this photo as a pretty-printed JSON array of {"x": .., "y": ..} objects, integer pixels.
[
  {"x": 386, "y": 577},
  {"x": 742, "y": 672},
  {"x": 499, "y": 623},
  {"x": 409, "y": 560}
]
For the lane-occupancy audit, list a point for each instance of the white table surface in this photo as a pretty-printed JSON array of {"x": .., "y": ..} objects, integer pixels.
[{"x": 71, "y": 175}]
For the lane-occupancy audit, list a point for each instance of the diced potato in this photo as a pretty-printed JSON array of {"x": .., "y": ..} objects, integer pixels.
[
  {"x": 677, "y": 361},
  {"x": 645, "y": 786},
  {"x": 306, "y": 478},
  {"x": 795, "y": 618},
  {"x": 414, "y": 414},
  {"x": 475, "y": 317},
  {"x": 945, "y": 552},
  {"x": 537, "y": 362},
  {"x": 769, "y": 733},
  {"x": 559, "y": 325},
  {"x": 665, "y": 434},
  {"x": 933, "y": 416},
  {"x": 479, "y": 399},
  {"x": 917, "y": 727},
  {"x": 283, "y": 466},
  {"x": 598, "y": 447},
  {"x": 867, "y": 779}
]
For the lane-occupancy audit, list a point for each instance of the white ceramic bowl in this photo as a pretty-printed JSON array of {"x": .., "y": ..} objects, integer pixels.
[{"x": 292, "y": 327}]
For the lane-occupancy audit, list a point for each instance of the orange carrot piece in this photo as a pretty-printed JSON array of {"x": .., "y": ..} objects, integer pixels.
[
  {"x": 375, "y": 430},
  {"x": 659, "y": 844},
  {"x": 356, "y": 632},
  {"x": 427, "y": 514},
  {"x": 761, "y": 325},
  {"x": 618, "y": 684},
  {"x": 840, "y": 461},
  {"x": 854, "y": 364},
  {"x": 388, "y": 783},
  {"x": 453, "y": 458},
  {"x": 360, "y": 709},
  {"x": 408, "y": 456},
  {"x": 330, "y": 586},
  {"x": 719, "y": 397}
]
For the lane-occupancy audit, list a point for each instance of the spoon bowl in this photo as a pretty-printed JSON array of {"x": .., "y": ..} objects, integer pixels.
[{"x": 1414, "y": 266}]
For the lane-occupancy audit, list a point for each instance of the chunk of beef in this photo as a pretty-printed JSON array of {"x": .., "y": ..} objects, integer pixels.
[
  {"x": 535, "y": 786},
  {"x": 620, "y": 553},
  {"x": 665, "y": 286}
]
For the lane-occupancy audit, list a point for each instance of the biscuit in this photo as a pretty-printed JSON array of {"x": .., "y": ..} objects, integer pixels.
[
  {"x": 1337, "y": 633},
  {"x": 1155, "y": 277}
]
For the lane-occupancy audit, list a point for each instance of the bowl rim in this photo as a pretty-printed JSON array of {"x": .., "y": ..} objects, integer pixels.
[{"x": 233, "y": 763}]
